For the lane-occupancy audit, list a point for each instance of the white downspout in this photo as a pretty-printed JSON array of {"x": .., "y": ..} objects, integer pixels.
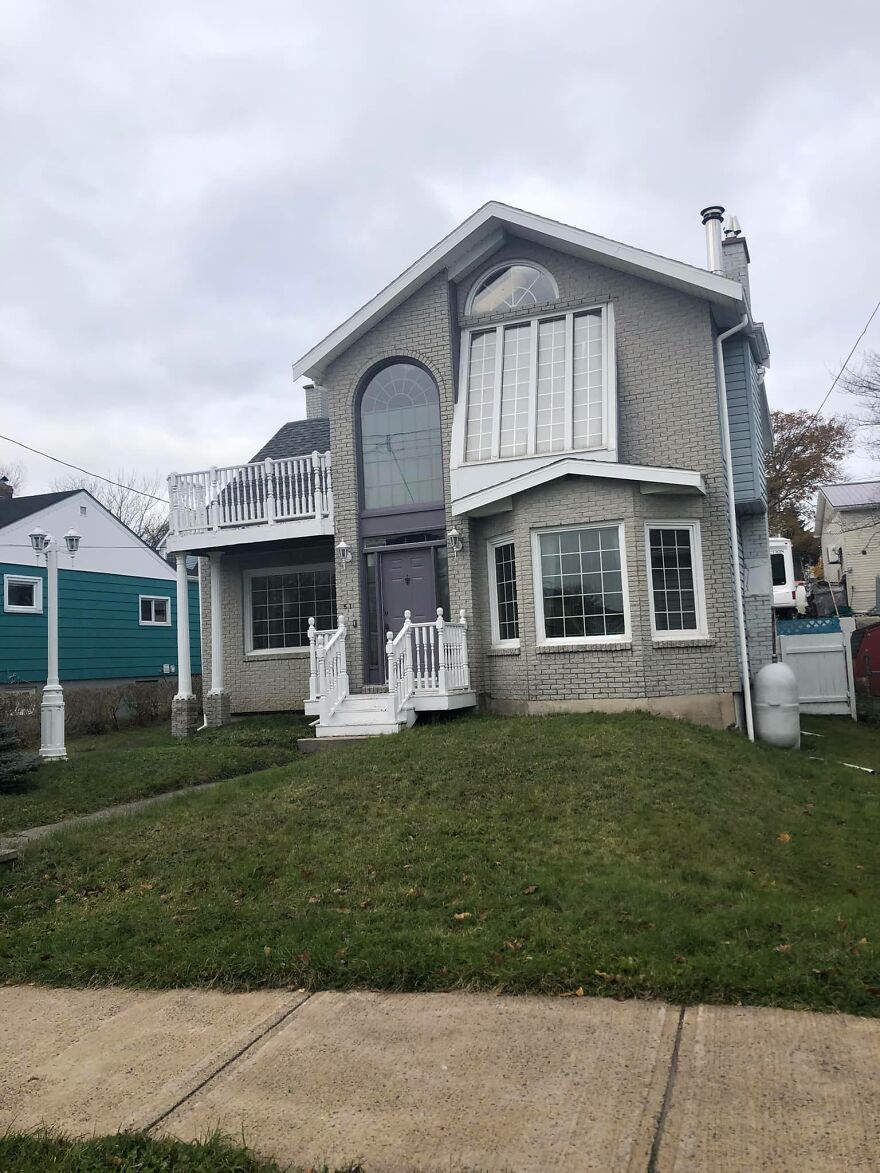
[{"x": 731, "y": 511}]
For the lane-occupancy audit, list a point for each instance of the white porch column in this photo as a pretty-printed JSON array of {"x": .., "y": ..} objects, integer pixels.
[
  {"x": 184, "y": 661},
  {"x": 184, "y": 709},
  {"x": 216, "y": 701}
]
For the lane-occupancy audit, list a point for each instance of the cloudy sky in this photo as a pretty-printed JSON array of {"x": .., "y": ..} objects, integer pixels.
[{"x": 193, "y": 193}]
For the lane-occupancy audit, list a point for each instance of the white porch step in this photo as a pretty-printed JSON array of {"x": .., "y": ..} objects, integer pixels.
[{"x": 364, "y": 729}]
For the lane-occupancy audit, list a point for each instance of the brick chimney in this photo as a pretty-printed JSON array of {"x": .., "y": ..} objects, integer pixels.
[
  {"x": 316, "y": 402},
  {"x": 6, "y": 490},
  {"x": 735, "y": 255}
]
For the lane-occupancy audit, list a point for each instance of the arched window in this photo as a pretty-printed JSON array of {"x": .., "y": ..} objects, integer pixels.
[
  {"x": 401, "y": 453},
  {"x": 517, "y": 286}
]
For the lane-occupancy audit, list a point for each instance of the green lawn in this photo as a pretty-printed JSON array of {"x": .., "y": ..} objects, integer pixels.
[
  {"x": 130, "y": 1153},
  {"x": 624, "y": 855},
  {"x": 135, "y": 763}
]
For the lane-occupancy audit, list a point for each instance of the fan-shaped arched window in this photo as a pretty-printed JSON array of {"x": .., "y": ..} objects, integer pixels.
[
  {"x": 400, "y": 439},
  {"x": 512, "y": 287}
]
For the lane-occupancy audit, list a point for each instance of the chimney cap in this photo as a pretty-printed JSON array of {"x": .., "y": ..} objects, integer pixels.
[
  {"x": 732, "y": 227},
  {"x": 713, "y": 212}
]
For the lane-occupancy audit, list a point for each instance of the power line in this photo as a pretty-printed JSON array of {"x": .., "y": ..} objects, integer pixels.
[
  {"x": 846, "y": 360},
  {"x": 96, "y": 475}
]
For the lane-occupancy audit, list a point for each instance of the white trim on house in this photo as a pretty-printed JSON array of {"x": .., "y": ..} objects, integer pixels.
[
  {"x": 475, "y": 486},
  {"x": 606, "y": 450},
  {"x": 494, "y": 620},
  {"x": 153, "y": 600},
  {"x": 247, "y": 605},
  {"x": 463, "y": 243},
  {"x": 28, "y": 580},
  {"x": 541, "y": 638},
  {"x": 701, "y": 630}
]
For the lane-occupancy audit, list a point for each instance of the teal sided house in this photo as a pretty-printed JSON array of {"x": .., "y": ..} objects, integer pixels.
[{"x": 117, "y": 610}]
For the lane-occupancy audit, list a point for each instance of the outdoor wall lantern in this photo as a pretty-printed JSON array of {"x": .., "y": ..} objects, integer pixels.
[
  {"x": 453, "y": 541},
  {"x": 72, "y": 540},
  {"x": 343, "y": 553}
]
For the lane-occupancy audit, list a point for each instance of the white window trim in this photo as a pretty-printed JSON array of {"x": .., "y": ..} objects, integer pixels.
[
  {"x": 155, "y": 622},
  {"x": 487, "y": 273},
  {"x": 249, "y": 576},
  {"x": 609, "y": 383},
  {"x": 701, "y": 631},
  {"x": 30, "y": 580},
  {"x": 542, "y": 640},
  {"x": 491, "y": 545}
]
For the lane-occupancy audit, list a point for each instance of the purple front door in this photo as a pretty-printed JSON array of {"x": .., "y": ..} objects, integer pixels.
[{"x": 408, "y": 585}]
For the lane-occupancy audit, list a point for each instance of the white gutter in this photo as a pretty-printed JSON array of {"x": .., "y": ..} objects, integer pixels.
[{"x": 731, "y": 513}]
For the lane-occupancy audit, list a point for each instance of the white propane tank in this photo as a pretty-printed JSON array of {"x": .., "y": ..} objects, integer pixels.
[{"x": 777, "y": 712}]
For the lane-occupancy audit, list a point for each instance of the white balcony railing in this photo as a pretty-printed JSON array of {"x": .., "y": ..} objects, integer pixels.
[{"x": 290, "y": 489}]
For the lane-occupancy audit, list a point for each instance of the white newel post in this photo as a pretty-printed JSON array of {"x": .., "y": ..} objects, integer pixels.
[
  {"x": 441, "y": 653},
  {"x": 173, "y": 514},
  {"x": 214, "y": 505},
  {"x": 184, "y": 711},
  {"x": 217, "y": 702},
  {"x": 52, "y": 708},
  {"x": 313, "y": 660},
  {"x": 392, "y": 682},
  {"x": 464, "y": 650},
  {"x": 318, "y": 503}
]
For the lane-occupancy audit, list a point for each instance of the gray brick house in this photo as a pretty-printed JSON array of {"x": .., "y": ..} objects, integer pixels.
[{"x": 531, "y": 477}]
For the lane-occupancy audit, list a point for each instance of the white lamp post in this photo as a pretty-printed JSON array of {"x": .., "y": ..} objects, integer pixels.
[{"x": 52, "y": 709}]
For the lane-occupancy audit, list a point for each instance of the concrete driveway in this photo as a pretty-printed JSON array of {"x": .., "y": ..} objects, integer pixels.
[{"x": 451, "y": 1081}]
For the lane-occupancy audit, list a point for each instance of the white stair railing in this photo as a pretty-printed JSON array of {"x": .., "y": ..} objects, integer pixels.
[
  {"x": 331, "y": 671},
  {"x": 401, "y": 684},
  {"x": 314, "y": 635},
  {"x": 440, "y": 656}
]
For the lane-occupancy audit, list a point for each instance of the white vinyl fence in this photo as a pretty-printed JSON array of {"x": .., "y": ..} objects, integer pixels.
[{"x": 819, "y": 653}]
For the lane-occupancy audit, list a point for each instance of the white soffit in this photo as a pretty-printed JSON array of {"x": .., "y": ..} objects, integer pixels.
[{"x": 482, "y": 233}]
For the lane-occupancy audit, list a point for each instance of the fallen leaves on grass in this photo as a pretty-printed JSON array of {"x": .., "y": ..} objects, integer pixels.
[
  {"x": 462, "y": 915},
  {"x": 531, "y": 890},
  {"x": 783, "y": 837}
]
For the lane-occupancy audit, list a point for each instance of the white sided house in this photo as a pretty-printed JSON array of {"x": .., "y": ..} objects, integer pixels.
[
  {"x": 848, "y": 527},
  {"x": 531, "y": 477}
]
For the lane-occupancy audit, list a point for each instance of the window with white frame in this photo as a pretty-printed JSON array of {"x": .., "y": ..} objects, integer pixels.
[
  {"x": 503, "y": 601},
  {"x": 540, "y": 386},
  {"x": 510, "y": 287},
  {"x": 678, "y": 608},
  {"x": 580, "y": 584},
  {"x": 155, "y": 610},
  {"x": 279, "y": 603},
  {"x": 22, "y": 594}
]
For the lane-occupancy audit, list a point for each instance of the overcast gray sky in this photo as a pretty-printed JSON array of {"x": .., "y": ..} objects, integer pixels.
[{"x": 193, "y": 193}]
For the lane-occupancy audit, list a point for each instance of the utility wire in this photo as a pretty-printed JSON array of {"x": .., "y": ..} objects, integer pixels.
[
  {"x": 96, "y": 475},
  {"x": 846, "y": 360}
]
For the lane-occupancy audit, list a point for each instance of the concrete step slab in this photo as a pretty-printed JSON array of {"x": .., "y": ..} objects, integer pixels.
[{"x": 447, "y": 1082}]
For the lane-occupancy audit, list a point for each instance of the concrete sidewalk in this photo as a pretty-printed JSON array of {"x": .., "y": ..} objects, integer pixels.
[{"x": 451, "y": 1081}]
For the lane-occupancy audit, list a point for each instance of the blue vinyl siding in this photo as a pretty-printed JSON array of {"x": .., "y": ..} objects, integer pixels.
[
  {"x": 99, "y": 632},
  {"x": 744, "y": 413}
]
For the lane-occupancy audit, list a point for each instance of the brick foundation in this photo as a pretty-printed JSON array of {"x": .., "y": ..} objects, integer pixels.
[{"x": 185, "y": 716}]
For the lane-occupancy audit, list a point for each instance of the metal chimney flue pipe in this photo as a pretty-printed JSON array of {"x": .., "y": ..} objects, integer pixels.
[{"x": 713, "y": 217}]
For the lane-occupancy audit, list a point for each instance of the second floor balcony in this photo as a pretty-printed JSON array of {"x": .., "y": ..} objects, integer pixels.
[{"x": 268, "y": 500}]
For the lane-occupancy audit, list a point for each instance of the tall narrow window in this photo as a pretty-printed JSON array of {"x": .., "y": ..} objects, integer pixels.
[
  {"x": 515, "y": 379},
  {"x": 503, "y": 601},
  {"x": 481, "y": 396},
  {"x": 551, "y": 386},
  {"x": 587, "y": 393},
  {"x": 677, "y": 602},
  {"x": 400, "y": 438},
  {"x": 580, "y": 584}
]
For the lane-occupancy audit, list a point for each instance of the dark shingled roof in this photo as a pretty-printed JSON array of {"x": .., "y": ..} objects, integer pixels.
[
  {"x": 15, "y": 508},
  {"x": 298, "y": 438}
]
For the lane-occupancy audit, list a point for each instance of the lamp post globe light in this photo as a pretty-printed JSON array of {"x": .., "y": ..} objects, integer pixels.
[{"x": 52, "y": 708}]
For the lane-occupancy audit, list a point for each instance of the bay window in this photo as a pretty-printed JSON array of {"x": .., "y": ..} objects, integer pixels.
[
  {"x": 580, "y": 584},
  {"x": 540, "y": 386}
]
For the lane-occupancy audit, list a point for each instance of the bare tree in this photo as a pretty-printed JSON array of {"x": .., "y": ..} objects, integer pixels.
[
  {"x": 864, "y": 383},
  {"x": 134, "y": 500},
  {"x": 14, "y": 474}
]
